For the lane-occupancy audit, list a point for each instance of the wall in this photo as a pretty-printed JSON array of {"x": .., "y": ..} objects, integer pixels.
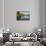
[
  {"x": 44, "y": 18},
  {"x": 1, "y": 15},
  {"x": 23, "y": 26}
]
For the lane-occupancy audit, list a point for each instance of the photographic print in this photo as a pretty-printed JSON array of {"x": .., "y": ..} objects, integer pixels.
[{"x": 23, "y": 15}]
